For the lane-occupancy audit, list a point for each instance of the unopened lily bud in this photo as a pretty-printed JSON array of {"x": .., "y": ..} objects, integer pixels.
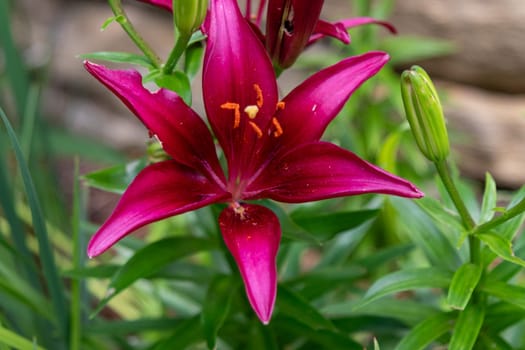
[
  {"x": 424, "y": 114},
  {"x": 189, "y": 14}
]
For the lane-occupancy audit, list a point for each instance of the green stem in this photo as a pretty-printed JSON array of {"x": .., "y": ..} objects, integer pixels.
[
  {"x": 468, "y": 222},
  {"x": 505, "y": 216},
  {"x": 122, "y": 19},
  {"x": 176, "y": 53}
]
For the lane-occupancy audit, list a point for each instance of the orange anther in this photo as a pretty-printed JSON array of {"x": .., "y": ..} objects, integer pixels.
[
  {"x": 259, "y": 95},
  {"x": 278, "y": 128},
  {"x": 280, "y": 105},
  {"x": 256, "y": 129},
  {"x": 237, "y": 112}
]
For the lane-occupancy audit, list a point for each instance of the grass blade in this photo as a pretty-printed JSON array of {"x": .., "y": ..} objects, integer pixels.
[
  {"x": 14, "y": 340},
  {"x": 46, "y": 255}
]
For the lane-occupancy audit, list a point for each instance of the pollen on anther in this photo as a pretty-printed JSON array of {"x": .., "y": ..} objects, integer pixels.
[
  {"x": 237, "y": 112},
  {"x": 257, "y": 130},
  {"x": 259, "y": 95},
  {"x": 251, "y": 111},
  {"x": 280, "y": 105},
  {"x": 278, "y": 128}
]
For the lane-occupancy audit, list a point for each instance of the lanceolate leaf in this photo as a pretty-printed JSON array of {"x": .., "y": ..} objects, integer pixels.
[
  {"x": 151, "y": 259},
  {"x": 116, "y": 178},
  {"x": 216, "y": 307},
  {"x": 467, "y": 327},
  {"x": 325, "y": 226},
  {"x": 463, "y": 283},
  {"x": 507, "y": 292},
  {"x": 489, "y": 199},
  {"x": 294, "y": 306},
  {"x": 119, "y": 57},
  {"x": 501, "y": 247},
  {"x": 46, "y": 255},
  {"x": 426, "y": 332},
  {"x": 407, "y": 279}
]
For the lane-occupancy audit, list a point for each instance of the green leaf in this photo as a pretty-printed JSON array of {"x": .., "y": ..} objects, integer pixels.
[
  {"x": 324, "y": 280},
  {"x": 510, "y": 293},
  {"x": 467, "y": 328},
  {"x": 406, "y": 49},
  {"x": 177, "y": 82},
  {"x": 379, "y": 258},
  {"x": 45, "y": 250},
  {"x": 187, "y": 332},
  {"x": 294, "y": 306},
  {"x": 506, "y": 270},
  {"x": 463, "y": 283},
  {"x": 261, "y": 337},
  {"x": 511, "y": 227},
  {"x": 119, "y": 57},
  {"x": 193, "y": 59},
  {"x": 425, "y": 234},
  {"x": 323, "y": 338},
  {"x": 426, "y": 332},
  {"x": 326, "y": 226},
  {"x": 500, "y": 315},
  {"x": 125, "y": 327},
  {"x": 501, "y": 247},
  {"x": 151, "y": 259},
  {"x": 440, "y": 214},
  {"x": 386, "y": 158},
  {"x": 14, "y": 340},
  {"x": 216, "y": 307},
  {"x": 116, "y": 178},
  {"x": 99, "y": 271},
  {"x": 406, "y": 311},
  {"x": 431, "y": 277},
  {"x": 489, "y": 199},
  {"x": 11, "y": 284},
  {"x": 289, "y": 228},
  {"x": 63, "y": 142}
]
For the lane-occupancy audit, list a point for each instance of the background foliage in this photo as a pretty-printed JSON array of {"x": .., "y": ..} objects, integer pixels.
[{"x": 351, "y": 269}]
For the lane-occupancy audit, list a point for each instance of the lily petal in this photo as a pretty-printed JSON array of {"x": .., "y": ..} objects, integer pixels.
[
  {"x": 236, "y": 71},
  {"x": 183, "y": 134},
  {"x": 311, "y": 106},
  {"x": 359, "y": 21},
  {"x": 164, "y": 4},
  {"x": 335, "y": 30},
  {"x": 252, "y": 234},
  {"x": 288, "y": 28},
  {"x": 339, "y": 29},
  {"x": 321, "y": 170},
  {"x": 159, "y": 191}
]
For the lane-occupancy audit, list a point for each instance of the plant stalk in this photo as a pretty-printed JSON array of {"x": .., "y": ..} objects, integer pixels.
[{"x": 123, "y": 20}]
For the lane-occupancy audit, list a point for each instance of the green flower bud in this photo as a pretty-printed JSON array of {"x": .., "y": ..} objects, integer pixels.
[
  {"x": 188, "y": 15},
  {"x": 424, "y": 114}
]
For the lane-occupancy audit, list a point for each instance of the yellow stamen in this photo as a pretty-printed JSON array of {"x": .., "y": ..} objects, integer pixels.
[
  {"x": 256, "y": 129},
  {"x": 251, "y": 111},
  {"x": 280, "y": 105},
  {"x": 259, "y": 95},
  {"x": 278, "y": 128},
  {"x": 237, "y": 112}
]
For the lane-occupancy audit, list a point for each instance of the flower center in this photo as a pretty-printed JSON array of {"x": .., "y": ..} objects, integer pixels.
[{"x": 251, "y": 112}]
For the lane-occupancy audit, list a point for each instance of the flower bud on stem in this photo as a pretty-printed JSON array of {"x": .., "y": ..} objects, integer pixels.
[
  {"x": 188, "y": 15},
  {"x": 424, "y": 114}
]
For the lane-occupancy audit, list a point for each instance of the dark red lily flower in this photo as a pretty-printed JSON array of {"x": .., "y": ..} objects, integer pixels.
[{"x": 272, "y": 148}]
